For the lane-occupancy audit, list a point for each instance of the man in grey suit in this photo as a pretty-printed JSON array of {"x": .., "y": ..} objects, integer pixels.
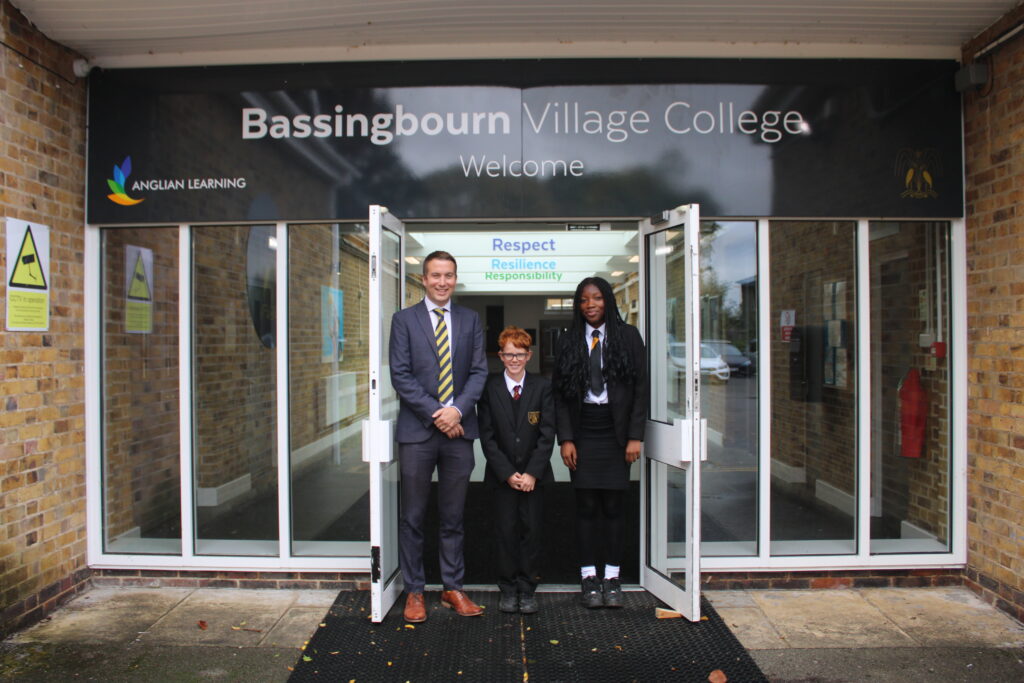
[{"x": 438, "y": 369}]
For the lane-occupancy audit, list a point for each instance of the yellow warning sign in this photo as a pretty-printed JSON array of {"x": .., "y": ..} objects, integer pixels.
[
  {"x": 27, "y": 250},
  {"x": 28, "y": 271},
  {"x": 139, "y": 288},
  {"x": 138, "y": 316},
  {"x": 27, "y": 310}
]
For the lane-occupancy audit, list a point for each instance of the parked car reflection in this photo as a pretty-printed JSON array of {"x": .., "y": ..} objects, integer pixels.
[
  {"x": 739, "y": 364},
  {"x": 711, "y": 364}
]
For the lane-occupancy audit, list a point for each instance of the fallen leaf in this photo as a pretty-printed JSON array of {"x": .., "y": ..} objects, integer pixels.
[
  {"x": 409, "y": 626},
  {"x": 201, "y": 625},
  {"x": 703, "y": 618},
  {"x": 662, "y": 613},
  {"x": 335, "y": 652},
  {"x": 553, "y": 642},
  {"x": 717, "y": 676},
  {"x": 322, "y": 624},
  {"x": 307, "y": 658}
]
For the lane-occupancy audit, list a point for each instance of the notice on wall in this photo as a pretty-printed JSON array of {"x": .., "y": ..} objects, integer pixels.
[
  {"x": 787, "y": 321},
  {"x": 332, "y": 324},
  {"x": 28, "y": 276},
  {"x": 138, "y": 289}
]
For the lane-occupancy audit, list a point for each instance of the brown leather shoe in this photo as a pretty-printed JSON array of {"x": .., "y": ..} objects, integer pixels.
[
  {"x": 415, "y": 610},
  {"x": 460, "y": 602}
]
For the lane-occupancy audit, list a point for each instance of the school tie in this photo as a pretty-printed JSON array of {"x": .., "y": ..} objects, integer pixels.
[
  {"x": 515, "y": 392},
  {"x": 444, "y": 359},
  {"x": 596, "y": 378}
]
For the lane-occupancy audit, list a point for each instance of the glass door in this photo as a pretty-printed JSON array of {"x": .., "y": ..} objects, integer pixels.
[
  {"x": 387, "y": 278},
  {"x": 675, "y": 441}
]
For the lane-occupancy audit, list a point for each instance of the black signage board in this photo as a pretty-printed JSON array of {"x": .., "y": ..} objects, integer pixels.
[{"x": 525, "y": 138}]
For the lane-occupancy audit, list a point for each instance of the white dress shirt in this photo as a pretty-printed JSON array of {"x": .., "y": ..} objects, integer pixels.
[{"x": 591, "y": 397}]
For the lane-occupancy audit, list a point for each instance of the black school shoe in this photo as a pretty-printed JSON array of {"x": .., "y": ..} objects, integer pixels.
[
  {"x": 508, "y": 603},
  {"x": 612, "y": 590},
  {"x": 527, "y": 604},
  {"x": 590, "y": 593}
]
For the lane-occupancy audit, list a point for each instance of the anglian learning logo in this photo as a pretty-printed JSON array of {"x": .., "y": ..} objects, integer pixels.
[{"x": 116, "y": 184}]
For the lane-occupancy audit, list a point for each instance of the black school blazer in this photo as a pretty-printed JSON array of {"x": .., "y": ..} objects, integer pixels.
[
  {"x": 514, "y": 442},
  {"x": 628, "y": 401}
]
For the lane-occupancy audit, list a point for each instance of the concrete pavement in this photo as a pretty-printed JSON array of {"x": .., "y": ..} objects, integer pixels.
[{"x": 184, "y": 634}]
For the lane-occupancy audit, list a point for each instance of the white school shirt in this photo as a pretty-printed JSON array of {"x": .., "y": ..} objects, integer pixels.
[{"x": 603, "y": 396}]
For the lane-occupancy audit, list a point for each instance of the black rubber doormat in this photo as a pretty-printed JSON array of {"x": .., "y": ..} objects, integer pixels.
[{"x": 562, "y": 642}]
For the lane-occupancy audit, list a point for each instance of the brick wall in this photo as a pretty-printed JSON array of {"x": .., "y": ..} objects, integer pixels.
[
  {"x": 42, "y": 377},
  {"x": 141, "y": 454},
  {"x": 320, "y": 258},
  {"x": 813, "y": 418},
  {"x": 994, "y": 148}
]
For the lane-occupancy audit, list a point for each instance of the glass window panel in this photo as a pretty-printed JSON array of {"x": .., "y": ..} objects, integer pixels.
[
  {"x": 141, "y": 453},
  {"x": 666, "y": 328},
  {"x": 328, "y": 355},
  {"x": 910, "y": 464},
  {"x": 234, "y": 395},
  {"x": 814, "y": 389},
  {"x": 729, "y": 399},
  {"x": 666, "y": 514}
]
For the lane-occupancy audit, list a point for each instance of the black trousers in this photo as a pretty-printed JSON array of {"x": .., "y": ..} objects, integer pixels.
[{"x": 518, "y": 520}]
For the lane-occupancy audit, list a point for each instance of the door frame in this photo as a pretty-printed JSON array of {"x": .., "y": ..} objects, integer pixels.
[
  {"x": 379, "y": 449},
  {"x": 678, "y": 442}
]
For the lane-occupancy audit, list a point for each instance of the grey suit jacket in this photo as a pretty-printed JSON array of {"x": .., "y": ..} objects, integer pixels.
[{"x": 412, "y": 354}]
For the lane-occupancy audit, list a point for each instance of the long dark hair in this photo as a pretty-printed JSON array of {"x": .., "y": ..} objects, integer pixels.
[{"x": 572, "y": 372}]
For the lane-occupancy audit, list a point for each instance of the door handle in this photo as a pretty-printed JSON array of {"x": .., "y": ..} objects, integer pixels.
[{"x": 703, "y": 439}]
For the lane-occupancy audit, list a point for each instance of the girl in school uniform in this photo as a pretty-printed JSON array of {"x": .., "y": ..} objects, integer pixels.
[{"x": 601, "y": 399}]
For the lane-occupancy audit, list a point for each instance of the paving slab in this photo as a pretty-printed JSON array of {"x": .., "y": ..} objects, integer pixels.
[
  {"x": 751, "y": 627},
  {"x": 295, "y": 627},
  {"x": 315, "y": 598},
  {"x": 215, "y": 616},
  {"x": 892, "y": 665},
  {"x": 829, "y": 619},
  {"x": 953, "y": 617},
  {"x": 737, "y": 598},
  {"x": 105, "y": 615},
  {"x": 142, "y": 663}
]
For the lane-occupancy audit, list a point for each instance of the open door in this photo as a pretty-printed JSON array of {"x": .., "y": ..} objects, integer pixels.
[
  {"x": 675, "y": 442},
  {"x": 387, "y": 291}
]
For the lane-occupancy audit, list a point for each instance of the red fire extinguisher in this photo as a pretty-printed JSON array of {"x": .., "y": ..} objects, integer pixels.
[{"x": 913, "y": 411}]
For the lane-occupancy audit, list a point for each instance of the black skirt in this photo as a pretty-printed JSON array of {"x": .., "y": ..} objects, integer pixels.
[{"x": 600, "y": 460}]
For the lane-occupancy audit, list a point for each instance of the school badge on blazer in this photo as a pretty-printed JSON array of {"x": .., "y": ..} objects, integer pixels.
[{"x": 533, "y": 416}]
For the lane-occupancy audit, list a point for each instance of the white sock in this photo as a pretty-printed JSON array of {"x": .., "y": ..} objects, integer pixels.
[
  {"x": 588, "y": 571},
  {"x": 611, "y": 572}
]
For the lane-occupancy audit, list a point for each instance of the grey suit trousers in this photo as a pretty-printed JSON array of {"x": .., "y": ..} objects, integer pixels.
[{"x": 453, "y": 459}]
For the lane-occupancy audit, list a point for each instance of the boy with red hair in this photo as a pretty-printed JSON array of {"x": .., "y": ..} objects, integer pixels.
[{"x": 517, "y": 434}]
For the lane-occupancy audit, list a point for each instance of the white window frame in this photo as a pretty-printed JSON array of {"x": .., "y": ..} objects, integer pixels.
[{"x": 763, "y": 561}]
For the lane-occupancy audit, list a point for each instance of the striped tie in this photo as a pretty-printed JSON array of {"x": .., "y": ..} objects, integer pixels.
[{"x": 444, "y": 359}]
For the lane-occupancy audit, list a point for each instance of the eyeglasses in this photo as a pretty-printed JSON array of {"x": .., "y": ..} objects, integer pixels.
[{"x": 513, "y": 356}]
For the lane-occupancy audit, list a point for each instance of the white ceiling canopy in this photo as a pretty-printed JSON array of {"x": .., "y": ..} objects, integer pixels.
[{"x": 134, "y": 33}]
